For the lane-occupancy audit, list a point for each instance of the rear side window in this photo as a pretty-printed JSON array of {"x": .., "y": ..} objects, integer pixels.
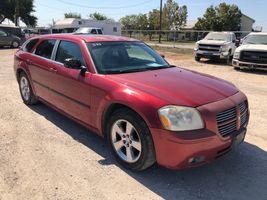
[
  {"x": 45, "y": 48},
  {"x": 99, "y": 31},
  {"x": 68, "y": 49},
  {"x": 28, "y": 47}
]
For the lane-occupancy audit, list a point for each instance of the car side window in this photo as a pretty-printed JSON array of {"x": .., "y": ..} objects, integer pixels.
[
  {"x": 99, "y": 31},
  {"x": 3, "y": 33},
  {"x": 28, "y": 47},
  {"x": 45, "y": 48},
  {"x": 68, "y": 49},
  {"x": 93, "y": 31}
]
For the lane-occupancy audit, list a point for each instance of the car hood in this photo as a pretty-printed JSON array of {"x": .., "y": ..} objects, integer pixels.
[
  {"x": 213, "y": 42},
  {"x": 252, "y": 47},
  {"x": 178, "y": 86}
]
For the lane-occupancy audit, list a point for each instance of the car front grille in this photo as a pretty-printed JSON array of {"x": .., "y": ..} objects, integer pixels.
[
  {"x": 254, "y": 56},
  {"x": 208, "y": 47},
  {"x": 228, "y": 120}
]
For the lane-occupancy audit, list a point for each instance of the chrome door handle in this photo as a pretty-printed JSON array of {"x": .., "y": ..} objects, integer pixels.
[{"x": 53, "y": 70}]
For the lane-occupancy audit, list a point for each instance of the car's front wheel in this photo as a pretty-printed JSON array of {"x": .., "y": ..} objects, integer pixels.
[
  {"x": 130, "y": 140},
  {"x": 25, "y": 89},
  {"x": 197, "y": 58}
]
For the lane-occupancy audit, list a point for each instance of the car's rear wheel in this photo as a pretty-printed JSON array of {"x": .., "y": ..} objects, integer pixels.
[
  {"x": 25, "y": 89},
  {"x": 15, "y": 44},
  {"x": 197, "y": 58},
  {"x": 130, "y": 140}
]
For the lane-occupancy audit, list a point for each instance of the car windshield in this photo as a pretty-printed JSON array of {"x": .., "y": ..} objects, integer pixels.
[
  {"x": 218, "y": 36},
  {"x": 125, "y": 57},
  {"x": 255, "y": 39}
]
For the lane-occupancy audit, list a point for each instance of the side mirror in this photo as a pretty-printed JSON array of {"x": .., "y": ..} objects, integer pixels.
[
  {"x": 75, "y": 64},
  {"x": 162, "y": 55},
  {"x": 237, "y": 43}
]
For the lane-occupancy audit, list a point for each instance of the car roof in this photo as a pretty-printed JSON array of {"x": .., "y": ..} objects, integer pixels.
[
  {"x": 89, "y": 27},
  {"x": 224, "y": 32},
  {"x": 258, "y": 33},
  {"x": 87, "y": 37}
]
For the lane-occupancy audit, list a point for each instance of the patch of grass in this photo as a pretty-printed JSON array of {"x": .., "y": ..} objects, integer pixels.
[{"x": 174, "y": 50}]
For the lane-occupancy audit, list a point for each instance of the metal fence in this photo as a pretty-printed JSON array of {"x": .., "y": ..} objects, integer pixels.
[{"x": 172, "y": 36}]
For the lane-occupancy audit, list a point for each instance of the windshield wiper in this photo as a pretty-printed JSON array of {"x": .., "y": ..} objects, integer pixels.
[{"x": 121, "y": 71}]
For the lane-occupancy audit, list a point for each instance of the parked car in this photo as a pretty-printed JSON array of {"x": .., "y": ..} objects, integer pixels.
[
  {"x": 216, "y": 45},
  {"x": 148, "y": 110},
  {"x": 8, "y": 39},
  {"x": 89, "y": 30},
  {"x": 252, "y": 54}
]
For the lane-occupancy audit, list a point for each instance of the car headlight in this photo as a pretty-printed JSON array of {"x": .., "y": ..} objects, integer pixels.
[
  {"x": 196, "y": 46},
  {"x": 236, "y": 55},
  {"x": 180, "y": 118},
  {"x": 224, "y": 48}
]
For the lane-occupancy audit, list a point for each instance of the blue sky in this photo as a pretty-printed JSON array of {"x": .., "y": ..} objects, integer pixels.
[{"x": 46, "y": 10}]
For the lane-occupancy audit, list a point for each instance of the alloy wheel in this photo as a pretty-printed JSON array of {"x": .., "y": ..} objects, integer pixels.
[{"x": 126, "y": 141}]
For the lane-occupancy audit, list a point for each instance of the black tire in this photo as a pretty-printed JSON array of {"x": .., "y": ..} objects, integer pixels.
[
  {"x": 32, "y": 99},
  {"x": 147, "y": 155},
  {"x": 229, "y": 58},
  {"x": 197, "y": 58},
  {"x": 237, "y": 68},
  {"x": 15, "y": 44}
]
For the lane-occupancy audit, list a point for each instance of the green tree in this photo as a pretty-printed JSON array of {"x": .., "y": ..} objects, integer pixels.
[
  {"x": 72, "y": 15},
  {"x": 224, "y": 17},
  {"x": 129, "y": 22},
  {"x": 153, "y": 19},
  {"x": 174, "y": 16},
  {"x": 135, "y": 22},
  {"x": 98, "y": 16},
  {"x": 15, "y": 9}
]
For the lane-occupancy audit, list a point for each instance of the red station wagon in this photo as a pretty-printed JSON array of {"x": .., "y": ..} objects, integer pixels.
[{"x": 148, "y": 110}]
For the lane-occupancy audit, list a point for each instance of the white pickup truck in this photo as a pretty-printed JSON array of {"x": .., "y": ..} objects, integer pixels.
[
  {"x": 216, "y": 45},
  {"x": 252, "y": 53}
]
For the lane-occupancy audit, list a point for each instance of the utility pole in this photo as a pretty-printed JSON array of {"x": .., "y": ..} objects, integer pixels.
[
  {"x": 160, "y": 21},
  {"x": 17, "y": 13}
]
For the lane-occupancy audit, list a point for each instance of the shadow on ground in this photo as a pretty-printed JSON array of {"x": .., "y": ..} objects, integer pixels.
[
  {"x": 223, "y": 63},
  {"x": 242, "y": 174}
]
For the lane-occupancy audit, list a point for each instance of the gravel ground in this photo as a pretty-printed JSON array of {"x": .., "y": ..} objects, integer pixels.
[{"x": 44, "y": 155}]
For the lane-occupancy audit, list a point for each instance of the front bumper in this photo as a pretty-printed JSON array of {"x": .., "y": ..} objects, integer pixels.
[
  {"x": 248, "y": 65},
  {"x": 211, "y": 54},
  {"x": 175, "y": 150}
]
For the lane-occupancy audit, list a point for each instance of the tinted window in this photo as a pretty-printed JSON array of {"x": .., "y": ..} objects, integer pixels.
[
  {"x": 3, "y": 34},
  {"x": 115, "y": 29},
  {"x": 45, "y": 49},
  {"x": 28, "y": 47},
  {"x": 68, "y": 49},
  {"x": 99, "y": 31}
]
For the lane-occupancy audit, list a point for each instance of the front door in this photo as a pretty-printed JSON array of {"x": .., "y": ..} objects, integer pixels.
[
  {"x": 72, "y": 88},
  {"x": 4, "y": 39}
]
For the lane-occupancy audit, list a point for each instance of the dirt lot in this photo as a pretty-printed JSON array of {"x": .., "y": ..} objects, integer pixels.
[{"x": 44, "y": 155}]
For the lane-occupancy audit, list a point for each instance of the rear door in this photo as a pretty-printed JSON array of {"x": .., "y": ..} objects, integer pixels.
[
  {"x": 42, "y": 70},
  {"x": 72, "y": 88}
]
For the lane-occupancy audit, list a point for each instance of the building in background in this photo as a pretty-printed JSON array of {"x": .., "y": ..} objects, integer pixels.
[
  {"x": 246, "y": 23},
  {"x": 69, "y": 25}
]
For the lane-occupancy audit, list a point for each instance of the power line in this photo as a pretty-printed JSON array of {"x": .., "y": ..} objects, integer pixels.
[
  {"x": 117, "y": 7},
  {"x": 66, "y": 10}
]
